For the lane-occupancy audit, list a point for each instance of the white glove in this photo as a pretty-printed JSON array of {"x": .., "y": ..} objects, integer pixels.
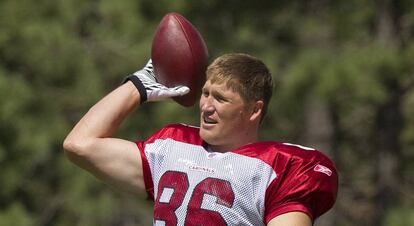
[{"x": 148, "y": 87}]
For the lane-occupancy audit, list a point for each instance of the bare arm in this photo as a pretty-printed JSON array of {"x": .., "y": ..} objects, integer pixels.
[
  {"x": 291, "y": 219},
  {"x": 90, "y": 146}
]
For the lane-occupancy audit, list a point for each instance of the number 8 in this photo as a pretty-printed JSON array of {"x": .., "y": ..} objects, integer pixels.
[{"x": 178, "y": 181}]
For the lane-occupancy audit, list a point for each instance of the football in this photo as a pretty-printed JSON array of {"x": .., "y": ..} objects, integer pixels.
[{"x": 180, "y": 56}]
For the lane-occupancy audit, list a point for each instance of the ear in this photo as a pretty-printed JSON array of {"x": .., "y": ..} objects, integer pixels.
[{"x": 256, "y": 110}]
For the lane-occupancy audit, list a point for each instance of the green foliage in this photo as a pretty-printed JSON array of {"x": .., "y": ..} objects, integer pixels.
[
  {"x": 57, "y": 58},
  {"x": 15, "y": 215},
  {"x": 400, "y": 217}
]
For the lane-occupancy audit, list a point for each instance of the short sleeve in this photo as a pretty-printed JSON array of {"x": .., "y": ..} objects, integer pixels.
[{"x": 306, "y": 185}]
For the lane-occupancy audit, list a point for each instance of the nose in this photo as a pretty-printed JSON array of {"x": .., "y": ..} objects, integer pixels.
[{"x": 206, "y": 104}]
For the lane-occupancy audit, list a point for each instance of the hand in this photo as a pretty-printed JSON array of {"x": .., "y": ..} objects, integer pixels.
[{"x": 148, "y": 87}]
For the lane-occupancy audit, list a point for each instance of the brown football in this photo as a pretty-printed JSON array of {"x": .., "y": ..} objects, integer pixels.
[{"x": 180, "y": 56}]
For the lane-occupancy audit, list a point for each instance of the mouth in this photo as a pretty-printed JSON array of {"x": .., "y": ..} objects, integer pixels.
[{"x": 209, "y": 121}]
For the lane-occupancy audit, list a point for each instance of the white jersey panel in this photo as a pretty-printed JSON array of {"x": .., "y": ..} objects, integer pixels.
[{"x": 248, "y": 177}]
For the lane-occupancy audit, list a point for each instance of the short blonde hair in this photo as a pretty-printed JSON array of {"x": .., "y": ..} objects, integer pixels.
[{"x": 244, "y": 74}]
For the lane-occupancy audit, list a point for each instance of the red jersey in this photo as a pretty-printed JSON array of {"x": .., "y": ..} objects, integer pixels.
[{"x": 250, "y": 185}]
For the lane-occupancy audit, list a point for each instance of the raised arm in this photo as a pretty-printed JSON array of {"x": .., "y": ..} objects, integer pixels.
[{"x": 91, "y": 144}]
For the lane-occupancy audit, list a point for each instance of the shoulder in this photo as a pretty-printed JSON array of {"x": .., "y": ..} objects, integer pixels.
[
  {"x": 177, "y": 129},
  {"x": 299, "y": 153},
  {"x": 279, "y": 155},
  {"x": 178, "y": 132}
]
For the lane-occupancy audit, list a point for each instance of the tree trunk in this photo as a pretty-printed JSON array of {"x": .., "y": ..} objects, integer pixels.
[
  {"x": 388, "y": 153},
  {"x": 388, "y": 121},
  {"x": 319, "y": 133}
]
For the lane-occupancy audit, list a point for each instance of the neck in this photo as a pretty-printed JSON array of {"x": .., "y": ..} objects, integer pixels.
[{"x": 238, "y": 142}]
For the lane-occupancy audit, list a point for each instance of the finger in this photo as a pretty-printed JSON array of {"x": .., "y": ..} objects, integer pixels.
[
  {"x": 181, "y": 90},
  {"x": 176, "y": 91}
]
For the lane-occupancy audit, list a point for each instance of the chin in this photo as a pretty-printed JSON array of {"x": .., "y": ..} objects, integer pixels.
[
  {"x": 203, "y": 134},
  {"x": 206, "y": 136}
]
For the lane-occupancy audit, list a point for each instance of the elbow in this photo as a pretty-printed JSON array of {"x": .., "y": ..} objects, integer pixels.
[
  {"x": 73, "y": 147},
  {"x": 77, "y": 151},
  {"x": 69, "y": 145}
]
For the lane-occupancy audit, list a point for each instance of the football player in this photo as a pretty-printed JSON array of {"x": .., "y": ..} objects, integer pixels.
[{"x": 218, "y": 173}]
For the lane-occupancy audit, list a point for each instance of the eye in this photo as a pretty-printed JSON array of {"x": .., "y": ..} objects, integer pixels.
[
  {"x": 204, "y": 93},
  {"x": 220, "y": 98}
]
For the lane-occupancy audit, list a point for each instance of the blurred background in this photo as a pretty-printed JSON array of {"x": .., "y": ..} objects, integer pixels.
[{"x": 345, "y": 85}]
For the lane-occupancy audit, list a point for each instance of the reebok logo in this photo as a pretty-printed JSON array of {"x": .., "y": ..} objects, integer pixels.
[{"x": 323, "y": 169}]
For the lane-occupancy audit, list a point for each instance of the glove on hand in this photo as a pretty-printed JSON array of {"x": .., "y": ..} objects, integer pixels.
[{"x": 148, "y": 87}]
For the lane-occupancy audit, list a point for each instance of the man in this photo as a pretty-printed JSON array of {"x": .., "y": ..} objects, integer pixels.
[{"x": 217, "y": 174}]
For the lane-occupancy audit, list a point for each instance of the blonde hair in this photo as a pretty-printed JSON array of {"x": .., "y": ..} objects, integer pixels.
[{"x": 244, "y": 74}]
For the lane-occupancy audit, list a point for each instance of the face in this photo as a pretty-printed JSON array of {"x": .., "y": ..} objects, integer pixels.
[{"x": 225, "y": 118}]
